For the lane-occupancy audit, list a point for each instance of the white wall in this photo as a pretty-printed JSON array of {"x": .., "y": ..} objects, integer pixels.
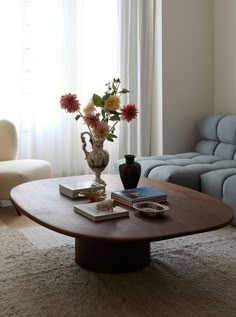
[
  {"x": 225, "y": 55},
  {"x": 188, "y": 75}
]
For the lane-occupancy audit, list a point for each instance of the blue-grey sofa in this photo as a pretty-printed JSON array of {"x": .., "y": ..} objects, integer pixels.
[{"x": 211, "y": 168}]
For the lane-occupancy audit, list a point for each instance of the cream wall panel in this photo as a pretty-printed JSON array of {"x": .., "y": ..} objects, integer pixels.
[
  {"x": 225, "y": 56},
  {"x": 188, "y": 76}
]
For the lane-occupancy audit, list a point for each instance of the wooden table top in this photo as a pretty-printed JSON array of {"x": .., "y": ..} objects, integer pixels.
[{"x": 190, "y": 211}]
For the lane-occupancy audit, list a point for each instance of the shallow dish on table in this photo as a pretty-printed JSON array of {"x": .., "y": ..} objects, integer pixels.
[{"x": 150, "y": 209}]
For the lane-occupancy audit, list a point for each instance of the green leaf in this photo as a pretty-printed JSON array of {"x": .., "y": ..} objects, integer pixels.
[
  {"x": 114, "y": 112},
  {"x": 97, "y": 100},
  {"x": 103, "y": 114},
  {"x": 77, "y": 117},
  {"x": 124, "y": 91},
  {"x": 110, "y": 137},
  {"x": 105, "y": 97},
  {"x": 115, "y": 117}
]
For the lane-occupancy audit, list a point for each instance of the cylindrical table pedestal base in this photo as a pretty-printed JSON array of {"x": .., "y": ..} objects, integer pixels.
[{"x": 111, "y": 257}]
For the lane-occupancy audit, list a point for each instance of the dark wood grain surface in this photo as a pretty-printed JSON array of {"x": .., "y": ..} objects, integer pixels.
[{"x": 190, "y": 211}]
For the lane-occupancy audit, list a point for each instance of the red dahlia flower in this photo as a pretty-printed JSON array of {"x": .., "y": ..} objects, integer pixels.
[
  {"x": 70, "y": 102},
  {"x": 129, "y": 112}
]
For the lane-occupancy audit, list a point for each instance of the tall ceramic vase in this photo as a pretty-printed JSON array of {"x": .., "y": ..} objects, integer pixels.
[
  {"x": 98, "y": 158},
  {"x": 130, "y": 172}
]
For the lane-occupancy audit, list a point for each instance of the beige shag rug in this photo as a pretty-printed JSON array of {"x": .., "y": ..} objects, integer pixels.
[{"x": 192, "y": 276}]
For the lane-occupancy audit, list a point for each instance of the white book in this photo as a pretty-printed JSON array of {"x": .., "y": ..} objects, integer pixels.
[
  {"x": 90, "y": 211},
  {"x": 76, "y": 189},
  {"x": 71, "y": 194}
]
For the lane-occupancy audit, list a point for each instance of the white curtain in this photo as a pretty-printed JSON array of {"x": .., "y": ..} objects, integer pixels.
[
  {"x": 140, "y": 66},
  {"x": 53, "y": 47},
  {"x": 50, "y": 48}
]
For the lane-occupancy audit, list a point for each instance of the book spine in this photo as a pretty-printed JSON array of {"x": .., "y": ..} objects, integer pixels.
[
  {"x": 121, "y": 201},
  {"x": 130, "y": 204},
  {"x": 161, "y": 198},
  {"x": 123, "y": 197},
  {"x": 139, "y": 199}
]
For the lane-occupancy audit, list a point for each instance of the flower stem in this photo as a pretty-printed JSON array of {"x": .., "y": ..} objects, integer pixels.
[{"x": 113, "y": 126}]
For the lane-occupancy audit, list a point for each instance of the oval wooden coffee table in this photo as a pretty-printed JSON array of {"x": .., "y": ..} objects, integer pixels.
[{"x": 119, "y": 245}]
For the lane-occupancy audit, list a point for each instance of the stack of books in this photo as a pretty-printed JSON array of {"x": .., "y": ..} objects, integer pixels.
[
  {"x": 131, "y": 196},
  {"x": 76, "y": 189}
]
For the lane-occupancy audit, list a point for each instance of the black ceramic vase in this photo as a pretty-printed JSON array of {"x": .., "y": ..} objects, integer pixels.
[{"x": 130, "y": 172}]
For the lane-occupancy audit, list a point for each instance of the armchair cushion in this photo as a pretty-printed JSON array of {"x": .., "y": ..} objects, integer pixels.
[{"x": 15, "y": 171}]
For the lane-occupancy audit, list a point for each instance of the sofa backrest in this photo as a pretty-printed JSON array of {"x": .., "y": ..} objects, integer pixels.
[{"x": 218, "y": 136}]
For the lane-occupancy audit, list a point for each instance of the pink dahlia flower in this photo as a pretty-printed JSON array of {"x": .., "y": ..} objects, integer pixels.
[
  {"x": 101, "y": 130},
  {"x": 89, "y": 108},
  {"x": 70, "y": 102},
  {"x": 129, "y": 112}
]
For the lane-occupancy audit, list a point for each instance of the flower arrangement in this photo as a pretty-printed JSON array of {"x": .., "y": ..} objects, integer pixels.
[{"x": 101, "y": 114}]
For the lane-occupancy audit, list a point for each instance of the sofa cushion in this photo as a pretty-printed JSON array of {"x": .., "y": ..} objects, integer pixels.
[
  {"x": 199, "y": 163},
  {"x": 206, "y": 147},
  {"x": 229, "y": 194},
  {"x": 212, "y": 183},
  {"x": 218, "y": 136},
  {"x": 207, "y": 128},
  {"x": 189, "y": 175},
  {"x": 177, "y": 175},
  {"x": 225, "y": 150},
  {"x": 148, "y": 165},
  {"x": 226, "y": 129}
]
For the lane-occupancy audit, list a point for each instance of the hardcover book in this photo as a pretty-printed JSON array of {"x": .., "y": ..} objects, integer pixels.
[
  {"x": 76, "y": 189},
  {"x": 90, "y": 211},
  {"x": 131, "y": 196}
]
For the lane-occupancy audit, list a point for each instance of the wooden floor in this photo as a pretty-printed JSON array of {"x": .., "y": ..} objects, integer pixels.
[{"x": 10, "y": 218}]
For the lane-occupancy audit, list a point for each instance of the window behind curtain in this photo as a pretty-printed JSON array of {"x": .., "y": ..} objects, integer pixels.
[{"x": 49, "y": 48}]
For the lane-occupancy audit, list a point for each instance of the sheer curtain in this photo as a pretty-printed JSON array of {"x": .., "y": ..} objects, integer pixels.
[
  {"x": 53, "y": 47},
  {"x": 140, "y": 66}
]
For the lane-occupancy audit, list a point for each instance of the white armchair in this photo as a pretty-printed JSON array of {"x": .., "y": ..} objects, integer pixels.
[{"x": 15, "y": 171}]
